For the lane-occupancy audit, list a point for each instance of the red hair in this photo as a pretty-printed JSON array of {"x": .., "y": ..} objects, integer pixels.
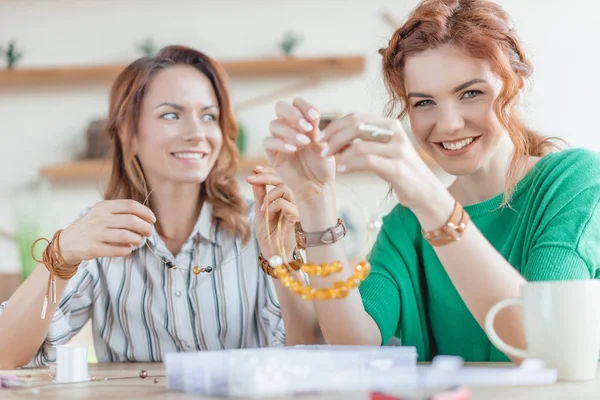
[
  {"x": 127, "y": 180},
  {"x": 481, "y": 29}
]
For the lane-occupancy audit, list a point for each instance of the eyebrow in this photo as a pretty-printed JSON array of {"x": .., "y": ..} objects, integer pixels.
[
  {"x": 456, "y": 89},
  {"x": 181, "y": 108}
]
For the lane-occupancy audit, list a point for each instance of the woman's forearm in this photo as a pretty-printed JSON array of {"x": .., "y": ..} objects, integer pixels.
[
  {"x": 480, "y": 274},
  {"x": 342, "y": 321},
  {"x": 22, "y": 330},
  {"x": 299, "y": 317}
]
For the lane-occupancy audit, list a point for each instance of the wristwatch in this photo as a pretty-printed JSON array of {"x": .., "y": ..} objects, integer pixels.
[{"x": 313, "y": 239}]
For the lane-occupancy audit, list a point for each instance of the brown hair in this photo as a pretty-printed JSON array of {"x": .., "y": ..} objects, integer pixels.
[
  {"x": 482, "y": 30},
  {"x": 127, "y": 180}
]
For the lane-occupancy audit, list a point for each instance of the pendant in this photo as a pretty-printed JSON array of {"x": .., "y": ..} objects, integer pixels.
[{"x": 196, "y": 270}]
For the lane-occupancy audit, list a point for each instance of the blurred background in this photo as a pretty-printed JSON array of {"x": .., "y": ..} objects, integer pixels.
[{"x": 58, "y": 58}]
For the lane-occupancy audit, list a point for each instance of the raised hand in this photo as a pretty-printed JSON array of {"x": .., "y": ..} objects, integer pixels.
[
  {"x": 273, "y": 207},
  {"x": 111, "y": 228},
  {"x": 367, "y": 143},
  {"x": 291, "y": 149}
]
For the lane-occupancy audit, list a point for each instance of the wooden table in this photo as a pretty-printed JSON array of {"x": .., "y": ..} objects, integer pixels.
[{"x": 136, "y": 388}]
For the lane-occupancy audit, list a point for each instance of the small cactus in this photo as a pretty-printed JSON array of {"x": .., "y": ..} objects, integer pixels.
[
  {"x": 12, "y": 55},
  {"x": 289, "y": 43}
]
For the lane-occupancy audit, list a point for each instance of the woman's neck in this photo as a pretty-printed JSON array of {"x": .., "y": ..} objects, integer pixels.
[{"x": 177, "y": 207}]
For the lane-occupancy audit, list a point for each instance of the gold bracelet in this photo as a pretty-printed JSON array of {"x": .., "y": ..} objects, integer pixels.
[{"x": 338, "y": 290}]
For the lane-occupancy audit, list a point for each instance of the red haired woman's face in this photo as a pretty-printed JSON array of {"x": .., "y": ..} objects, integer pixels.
[
  {"x": 179, "y": 137},
  {"x": 451, "y": 99}
]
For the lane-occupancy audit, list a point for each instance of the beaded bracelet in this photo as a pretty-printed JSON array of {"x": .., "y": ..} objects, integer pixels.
[
  {"x": 338, "y": 290},
  {"x": 323, "y": 269}
]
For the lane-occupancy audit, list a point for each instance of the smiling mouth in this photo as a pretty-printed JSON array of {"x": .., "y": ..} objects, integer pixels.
[
  {"x": 189, "y": 155},
  {"x": 457, "y": 145}
]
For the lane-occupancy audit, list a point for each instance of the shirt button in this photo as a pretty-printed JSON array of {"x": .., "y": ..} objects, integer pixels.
[{"x": 178, "y": 293}]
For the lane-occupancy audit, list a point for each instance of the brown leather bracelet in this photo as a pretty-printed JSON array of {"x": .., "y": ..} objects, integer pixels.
[
  {"x": 295, "y": 264},
  {"x": 313, "y": 239},
  {"x": 452, "y": 230}
]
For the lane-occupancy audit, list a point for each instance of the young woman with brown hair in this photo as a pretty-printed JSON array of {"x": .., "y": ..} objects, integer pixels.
[
  {"x": 168, "y": 261},
  {"x": 517, "y": 211}
]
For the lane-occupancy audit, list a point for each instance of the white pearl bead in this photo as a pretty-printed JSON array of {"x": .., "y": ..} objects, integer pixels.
[
  {"x": 374, "y": 225},
  {"x": 275, "y": 261}
]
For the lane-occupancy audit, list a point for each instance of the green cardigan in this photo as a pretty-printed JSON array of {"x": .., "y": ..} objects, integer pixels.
[{"x": 552, "y": 232}]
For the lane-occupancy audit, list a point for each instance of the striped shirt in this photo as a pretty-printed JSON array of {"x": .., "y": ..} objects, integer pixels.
[{"x": 141, "y": 309}]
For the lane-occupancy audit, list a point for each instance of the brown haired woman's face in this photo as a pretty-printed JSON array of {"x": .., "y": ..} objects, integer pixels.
[
  {"x": 179, "y": 137},
  {"x": 451, "y": 98}
]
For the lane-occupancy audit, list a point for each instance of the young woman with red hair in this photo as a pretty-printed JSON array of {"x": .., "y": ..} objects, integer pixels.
[
  {"x": 169, "y": 261},
  {"x": 519, "y": 209}
]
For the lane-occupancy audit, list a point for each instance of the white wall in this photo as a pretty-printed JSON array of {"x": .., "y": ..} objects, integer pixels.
[{"x": 47, "y": 124}]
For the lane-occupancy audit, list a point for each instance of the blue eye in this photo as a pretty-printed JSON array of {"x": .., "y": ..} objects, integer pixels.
[
  {"x": 209, "y": 117},
  {"x": 423, "y": 103},
  {"x": 170, "y": 115},
  {"x": 469, "y": 94}
]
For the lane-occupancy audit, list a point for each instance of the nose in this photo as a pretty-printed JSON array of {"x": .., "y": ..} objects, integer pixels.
[
  {"x": 194, "y": 130},
  {"x": 450, "y": 121}
]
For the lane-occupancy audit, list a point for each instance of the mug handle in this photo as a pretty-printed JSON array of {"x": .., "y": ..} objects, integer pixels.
[{"x": 494, "y": 338}]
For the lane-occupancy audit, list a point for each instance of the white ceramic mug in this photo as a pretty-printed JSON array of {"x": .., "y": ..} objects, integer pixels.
[
  {"x": 562, "y": 326},
  {"x": 71, "y": 363}
]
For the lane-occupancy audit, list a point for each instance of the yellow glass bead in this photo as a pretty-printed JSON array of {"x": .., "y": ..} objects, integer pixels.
[
  {"x": 308, "y": 293},
  {"x": 296, "y": 287},
  {"x": 360, "y": 275},
  {"x": 340, "y": 290},
  {"x": 281, "y": 271},
  {"x": 337, "y": 267},
  {"x": 196, "y": 270},
  {"x": 364, "y": 267},
  {"x": 353, "y": 282},
  {"x": 323, "y": 294},
  {"x": 287, "y": 280}
]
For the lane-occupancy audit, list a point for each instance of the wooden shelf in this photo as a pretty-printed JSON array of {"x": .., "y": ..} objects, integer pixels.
[
  {"x": 239, "y": 68},
  {"x": 93, "y": 170}
]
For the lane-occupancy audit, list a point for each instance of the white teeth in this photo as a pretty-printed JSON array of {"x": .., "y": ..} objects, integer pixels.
[
  {"x": 195, "y": 156},
  {"x": 457, "y": 145}
]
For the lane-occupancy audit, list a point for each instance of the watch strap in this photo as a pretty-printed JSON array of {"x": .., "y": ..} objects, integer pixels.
[{"x": 313, "y": 239}]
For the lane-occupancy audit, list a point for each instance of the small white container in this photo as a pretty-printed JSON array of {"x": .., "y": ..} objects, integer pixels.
[{"x": 71, "y": 363}]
